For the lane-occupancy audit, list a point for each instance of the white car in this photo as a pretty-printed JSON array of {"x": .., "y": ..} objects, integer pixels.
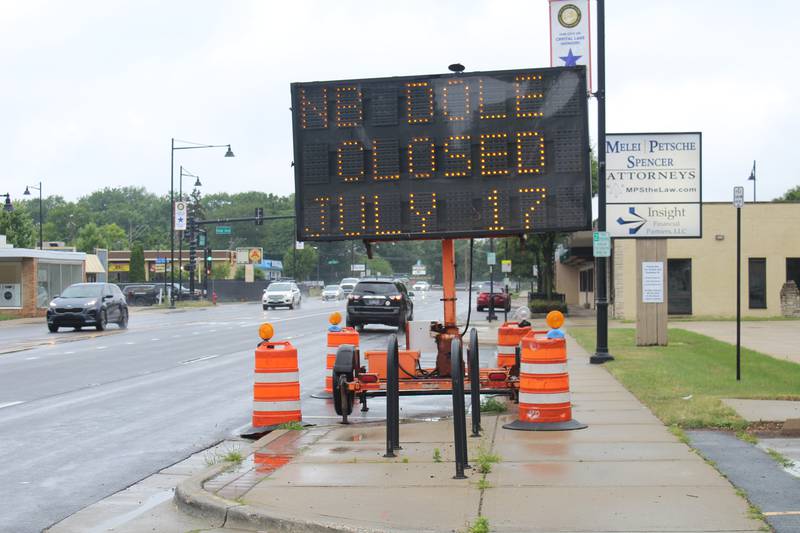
[
  {"x": 281, "y": 294},
  {"x": 332, "y": 292},
  {"x": 348, "y": 284},
  {"x": 421, "y": 286}
]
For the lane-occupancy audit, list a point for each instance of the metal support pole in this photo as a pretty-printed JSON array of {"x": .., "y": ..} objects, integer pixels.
[
  {"x": 172, "y": 226},
  {"x": 449, "y": 283},
  {"x": 601, "y": 354},
  {"x": 475, "y": 382},
  {"x": 392, "y": 397},
  {"x": 180, "y": 240},
  {"x": 41, "y": 219},
  {"x": 739, "y": 292},
  {"x": 491, "y": 316},
  {"x": 459, "y": 415}
]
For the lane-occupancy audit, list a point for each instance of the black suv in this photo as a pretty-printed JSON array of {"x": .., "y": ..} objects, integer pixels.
[
  {"x": 145, "y": 294},
  {"x": 88, "y": 304},
  {"x": 379, "y": 301}
]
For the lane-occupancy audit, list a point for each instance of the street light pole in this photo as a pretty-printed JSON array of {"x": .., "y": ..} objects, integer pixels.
[
  {"x": 41, "y": 217},
  {"x": 194, "y": 146},
  {"x": 601, "y": 354}
]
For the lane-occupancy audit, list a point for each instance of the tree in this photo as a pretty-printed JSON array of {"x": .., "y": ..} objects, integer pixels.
[
  {"x": 222, "y": 270},
  {"x": 306, "y": 262},
  {"x": 114, "y": 237},
  {"x": 792, "y": 195},
  {"x": 137, "y": 263},
  {"x": 379, "y": 266},
  {"x": 18, "y": 228}
]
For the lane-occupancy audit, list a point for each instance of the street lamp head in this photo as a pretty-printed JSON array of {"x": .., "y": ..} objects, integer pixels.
[
  {"x": 197, "y": 183},
  {"x": 229, "y": 153},
  {"x": 8, "y": 207},
  {"x": 456, "y": 67},
  {"x": 27, "y": 191}
]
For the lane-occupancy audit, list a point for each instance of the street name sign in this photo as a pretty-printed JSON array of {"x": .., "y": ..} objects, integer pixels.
[
  {"x": 479, "y": 154},
  {"x": 654, "y": 185},
  {"x": 222, "y": 230},
  {"x": 601, "y": 244}
]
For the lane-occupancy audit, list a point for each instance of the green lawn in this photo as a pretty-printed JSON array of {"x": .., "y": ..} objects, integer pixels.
[{"x": 698, "y": 366}]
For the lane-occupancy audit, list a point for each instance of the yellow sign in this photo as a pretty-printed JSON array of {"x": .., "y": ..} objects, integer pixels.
[{"x": 119, "y": 267}]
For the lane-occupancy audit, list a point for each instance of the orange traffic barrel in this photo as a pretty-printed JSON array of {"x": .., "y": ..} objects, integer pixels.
[
  {"x": 509, "y": 336},
  {"x": 276, "y": 390},
  {"x": 544, "y": 399}
]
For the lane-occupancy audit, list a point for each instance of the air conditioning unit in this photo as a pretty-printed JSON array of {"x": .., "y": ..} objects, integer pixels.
[{"x": 10, "y": 295}]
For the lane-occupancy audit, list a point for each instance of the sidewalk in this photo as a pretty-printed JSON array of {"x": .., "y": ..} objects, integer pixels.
[
  {"x": 626, "y": 472},
  {"x": 778, "y": 338}
]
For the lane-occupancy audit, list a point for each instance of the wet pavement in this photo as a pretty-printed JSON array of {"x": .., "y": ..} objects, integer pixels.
[{"x": 83, "y": 419}]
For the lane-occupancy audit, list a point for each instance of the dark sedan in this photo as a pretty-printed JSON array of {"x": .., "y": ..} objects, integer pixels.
[{"x": 88, "y": 304}]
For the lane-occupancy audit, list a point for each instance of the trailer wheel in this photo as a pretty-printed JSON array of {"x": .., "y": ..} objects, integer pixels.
[{"x": 344, "y": 372}]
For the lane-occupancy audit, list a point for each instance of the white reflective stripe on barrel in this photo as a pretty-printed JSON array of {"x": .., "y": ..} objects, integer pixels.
[
  {"x": 507, "y": 350},
  {"x": 277, "y": 377},
  {"x": 543, "y": 368},
  {"x": 288, "y": 405},
  {"x": 537, "y": 398}
]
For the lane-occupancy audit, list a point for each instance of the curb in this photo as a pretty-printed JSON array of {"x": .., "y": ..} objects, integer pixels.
[{"x": 191, "y": 498}]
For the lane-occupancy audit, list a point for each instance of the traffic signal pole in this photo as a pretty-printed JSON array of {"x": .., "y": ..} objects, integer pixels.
[{"x": 601, "y": 354}]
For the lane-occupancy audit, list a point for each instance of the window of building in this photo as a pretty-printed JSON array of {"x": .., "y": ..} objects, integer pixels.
[
  {"x": 53, "y": 278},
  {"x": 793, "y": 269},
  {"x": 757, "y": 282},
  {"x": 679, "y": 286},
  {"x": 587, "y": 280}
]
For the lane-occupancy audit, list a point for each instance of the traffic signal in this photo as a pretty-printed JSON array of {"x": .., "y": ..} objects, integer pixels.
[
  {"x": 259, "y": 216},
  {"x": 208, "y": 255}
]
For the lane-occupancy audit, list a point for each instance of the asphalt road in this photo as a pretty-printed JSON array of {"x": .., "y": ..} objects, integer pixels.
[{"x": 84, "y": 415}]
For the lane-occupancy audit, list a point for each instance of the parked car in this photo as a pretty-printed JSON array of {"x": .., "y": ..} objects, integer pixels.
[
  {"x": 281, "y": 294},
  {"x": 379, "y": 301},
  {"x": 144, "y": 294},
  {"x": 332, "y": 292},
  {"x": 348, "y": 284},
  {"x": 88, "y": 304},
  {"x": 422, "y": 286},
  {"x": 499, "y": 297}
]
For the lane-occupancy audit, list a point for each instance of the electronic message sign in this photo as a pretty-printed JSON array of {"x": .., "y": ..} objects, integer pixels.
[{"x": 478, "y": 154}]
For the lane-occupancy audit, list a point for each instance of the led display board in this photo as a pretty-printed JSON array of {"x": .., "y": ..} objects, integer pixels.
[{"x": 443, "y": 156}]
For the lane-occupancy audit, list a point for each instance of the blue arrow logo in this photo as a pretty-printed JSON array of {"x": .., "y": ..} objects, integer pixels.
[{"x": 639, "y": 221}]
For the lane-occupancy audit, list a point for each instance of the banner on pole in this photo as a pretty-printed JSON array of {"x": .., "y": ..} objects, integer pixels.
[
  {"x": 570, "y": 35},
  {"x": 180, "y": 216}
]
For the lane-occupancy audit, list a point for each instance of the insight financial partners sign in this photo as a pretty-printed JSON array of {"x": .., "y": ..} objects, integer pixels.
[{"x": 654, "y": 185}]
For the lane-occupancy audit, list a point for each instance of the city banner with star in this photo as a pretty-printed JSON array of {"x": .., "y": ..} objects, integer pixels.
[{"x": 570, "y": 35}]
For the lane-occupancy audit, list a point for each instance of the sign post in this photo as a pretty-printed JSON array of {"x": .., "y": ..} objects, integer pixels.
[
  {"x": 601, "y": 244},
  {"x": 738, "y": 202}
]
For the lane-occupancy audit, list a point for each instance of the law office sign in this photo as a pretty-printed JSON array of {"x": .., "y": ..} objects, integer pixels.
[{"x": 654, "y": 185}]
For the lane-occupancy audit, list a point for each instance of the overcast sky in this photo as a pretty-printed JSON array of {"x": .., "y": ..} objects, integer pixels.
[{"x": 93, "y": 91}]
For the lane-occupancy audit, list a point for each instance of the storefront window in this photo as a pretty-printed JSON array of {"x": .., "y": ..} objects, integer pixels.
[{"x": 53, "y": 278}]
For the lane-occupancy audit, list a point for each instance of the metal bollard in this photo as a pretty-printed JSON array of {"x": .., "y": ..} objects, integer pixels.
[
  {"x": 392, "y": 397},
  {"x": 475, "y": 382},
  {"x": 459, "y": 415}
]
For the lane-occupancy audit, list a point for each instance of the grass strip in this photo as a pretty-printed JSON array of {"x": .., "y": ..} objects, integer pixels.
[{"x": 683, "y": 383}]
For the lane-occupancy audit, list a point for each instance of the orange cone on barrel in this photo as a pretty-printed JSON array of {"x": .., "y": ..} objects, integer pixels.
[
  {"x": 276, "y": 387},
  {"x": 544, "y": 398}
]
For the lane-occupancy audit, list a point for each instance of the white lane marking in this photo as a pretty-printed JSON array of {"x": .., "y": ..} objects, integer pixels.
[
  {"x": 154, "y": 339},
  {"x": 130, "y": 343},
  {"x": 176, "y": 336},
  {"x": 195, "y": 333},
  {"x": 9, "y": 404},
  {"x": 35, "y": 357},
  {"x": 101, "y": 347},
  {"x": 198, "y": 359}
]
